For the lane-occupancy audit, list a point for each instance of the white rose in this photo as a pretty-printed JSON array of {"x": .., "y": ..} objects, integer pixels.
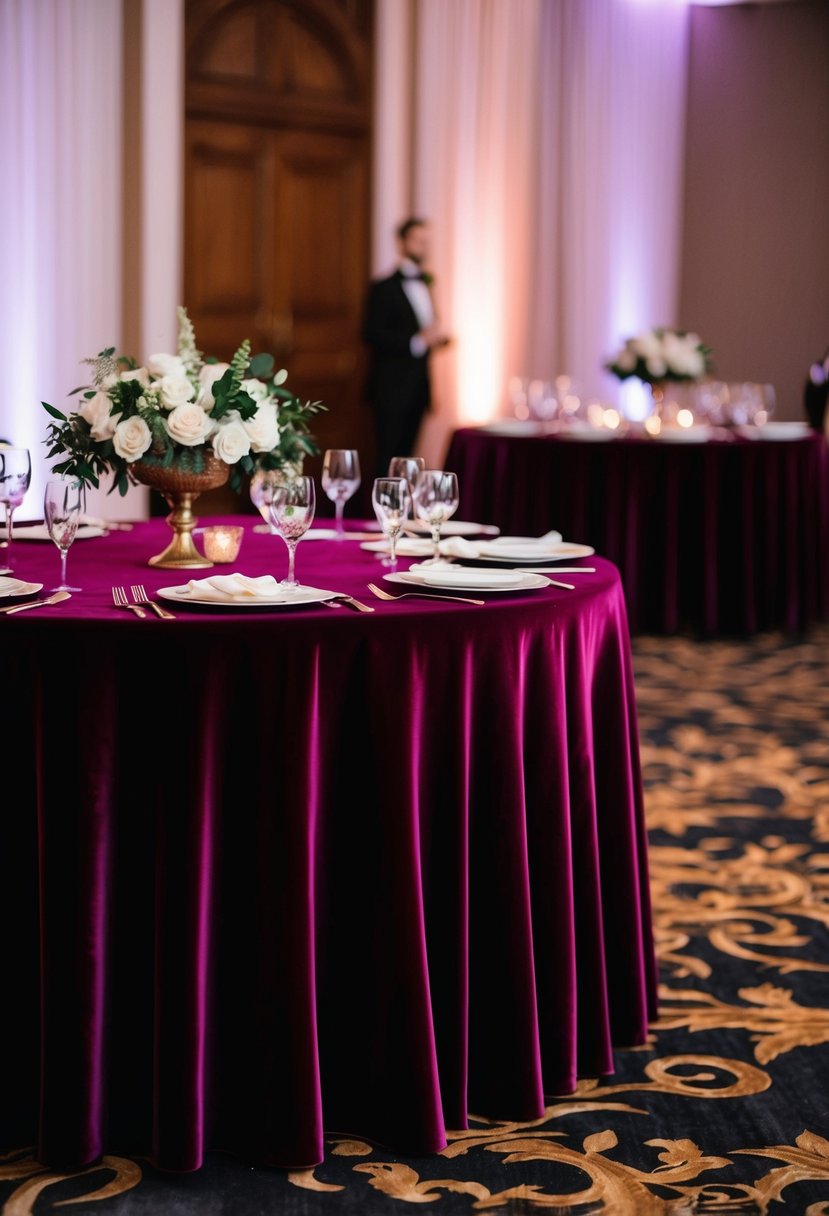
[
  {"x": 188, "y": 424},
  {"x": 231, "y": 442},
  {"x": 263, "y": 428},
  {"x": 656, "y": 367},
  {"x": 209, "y": 374},
  {"x": 95, "y": 411},
  {"x": 132, "y": 438},
  {"x": 647, "y": 346},
  {"x": 165, "y": 365},
  {"x": 256, "y": 389},
  {"x": 137, "y": 373},
  {"x": 696, "y": 364},
  {"x": 174, "y": 390}
]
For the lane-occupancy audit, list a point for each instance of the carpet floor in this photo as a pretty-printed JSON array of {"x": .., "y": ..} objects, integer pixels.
[{"x": 726, "y": 1108}]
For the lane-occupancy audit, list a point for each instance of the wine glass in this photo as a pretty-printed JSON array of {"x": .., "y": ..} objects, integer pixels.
[
  {"x": 292, "y": 513},
  {"x": 408, "y": 467},
  {"x": 340, "y": 479},
  {"x": 391, "y": 500},
  {"x": 261, "y": 491},
  {"x": 435, "y": 499},
  {"x": 62, "y": 504},
  {"x": 15, "y": 475}
]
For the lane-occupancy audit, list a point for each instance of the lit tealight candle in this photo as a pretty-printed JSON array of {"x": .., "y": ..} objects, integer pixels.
[
  {"x": 685, "y": 418},
  {"x": 221, "y": 544}
]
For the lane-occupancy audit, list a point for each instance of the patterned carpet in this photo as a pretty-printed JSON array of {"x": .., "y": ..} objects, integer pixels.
[{"x": 726, "y": 1109}]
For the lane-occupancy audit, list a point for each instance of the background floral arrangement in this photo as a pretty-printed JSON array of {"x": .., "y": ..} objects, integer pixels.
[
  {"x": 661, "y": 354},
  {"x": 179, "y": 410}
]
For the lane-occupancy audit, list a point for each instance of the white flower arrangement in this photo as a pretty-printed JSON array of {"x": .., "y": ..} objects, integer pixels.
[
  {"x": 177, "y": 409},
  {"x": 661, "y": 354}
]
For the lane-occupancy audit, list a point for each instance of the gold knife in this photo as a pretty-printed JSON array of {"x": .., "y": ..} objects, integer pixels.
[{"x": 53, "y": 599}]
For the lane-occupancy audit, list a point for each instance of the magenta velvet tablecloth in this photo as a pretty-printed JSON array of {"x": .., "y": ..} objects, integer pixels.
[
  {"x": 266, "y": 874},
  {"x": 729, "y": 536}
]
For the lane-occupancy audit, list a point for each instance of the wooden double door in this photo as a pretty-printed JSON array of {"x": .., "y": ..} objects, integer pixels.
[{"x": 277, "y": 194}]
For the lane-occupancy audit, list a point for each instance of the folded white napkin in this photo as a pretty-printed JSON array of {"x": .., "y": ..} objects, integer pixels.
[
  {"x": 236, "y": 587},
  {"x": 440, "y": 575},
  {"x": 456, "y": 546}
]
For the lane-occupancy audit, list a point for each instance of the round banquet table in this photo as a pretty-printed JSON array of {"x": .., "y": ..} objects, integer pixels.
[
  {"x": 272, "y": 873},
  {"x": 728, "y": 536}
]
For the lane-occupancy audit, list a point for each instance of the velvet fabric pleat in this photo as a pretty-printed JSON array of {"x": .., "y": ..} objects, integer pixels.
[{"x": 268, "y": 875}]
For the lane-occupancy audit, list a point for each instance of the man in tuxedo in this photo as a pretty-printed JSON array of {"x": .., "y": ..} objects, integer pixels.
[{"x": 401, "y": 329}]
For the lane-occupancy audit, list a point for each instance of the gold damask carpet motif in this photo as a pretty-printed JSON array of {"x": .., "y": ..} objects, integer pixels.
[{"x": 726, "y": 1108}]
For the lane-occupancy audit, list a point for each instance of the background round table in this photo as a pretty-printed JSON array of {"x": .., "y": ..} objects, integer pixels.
[{"x": 728, "y": 536}]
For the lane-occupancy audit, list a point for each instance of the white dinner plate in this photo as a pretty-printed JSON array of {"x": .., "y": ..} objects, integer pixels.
[
  {"x": 775, "y": 430},
  {"x": 564, "y": 552},
  {"x": 287, "y": 599},
  {"x": 684, "y": 434},
  {"x": 514, "y": 426},
  {"x": 24, "y": 531},
  {"x": 464, "y": 578},
  {"x": 452, "y": 527},
  {"x": 13, "y": 588},
  {"x": 590, "y": 434}
]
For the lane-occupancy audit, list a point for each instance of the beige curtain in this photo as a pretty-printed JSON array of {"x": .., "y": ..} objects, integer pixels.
[
  {"x": 544, "y": 140},
  {"x": 92, "y": 173}
]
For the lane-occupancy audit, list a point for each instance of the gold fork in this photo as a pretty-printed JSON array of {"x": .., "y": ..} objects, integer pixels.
[
  {"x": 140, "y": 596},
  {"x": 420, "y": 595},
  {"x": 119, "y": 599}
]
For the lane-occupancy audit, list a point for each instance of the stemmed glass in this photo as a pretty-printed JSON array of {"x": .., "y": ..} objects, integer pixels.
[
  {"x": 292, "y": 513},
  {"x": 62, "y": 504},
  {"x": 435, "y": 499},
  {"x": 408, "y": 467},
  {"x": 340, "y": 479},
  {"x": 15, "y": 475},
  {"x": 261, "y": 491},
  {"x": 391, "y": 500}
]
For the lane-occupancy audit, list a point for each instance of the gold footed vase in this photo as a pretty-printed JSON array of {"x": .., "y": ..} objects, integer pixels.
[{"x": 181, "y": 488}]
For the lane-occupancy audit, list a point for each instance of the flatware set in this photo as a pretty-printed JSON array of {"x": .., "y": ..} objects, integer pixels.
[
  {"x": 52, "y": 599},
  {"x": 420, "y": 595}
]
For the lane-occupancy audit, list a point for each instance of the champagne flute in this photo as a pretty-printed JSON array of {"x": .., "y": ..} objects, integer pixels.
[
  {"x": 292, "y": 512},
  {"x": 391, "y": 500},
  {"x": 435, "y": 499},
  {"x": 408, "y": 467},
  {"x": 62, "y": 505},
  {"x": 15, "y": 476},
  {"x": 340, "y": 479}
]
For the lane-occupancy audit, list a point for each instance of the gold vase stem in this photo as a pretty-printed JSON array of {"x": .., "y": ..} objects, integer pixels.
[{"x": 181, "y": 553}]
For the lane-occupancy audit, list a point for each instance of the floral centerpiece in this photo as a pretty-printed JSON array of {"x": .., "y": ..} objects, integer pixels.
[
  {"x": 661, "y": 354},
  {"x": 182, "y": 423},
  {"x": 180, "y": 410}
]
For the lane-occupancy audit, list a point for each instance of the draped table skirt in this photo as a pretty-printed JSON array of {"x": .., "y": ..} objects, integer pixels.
[
  {"x": 729, "y": 536},
  {"x": 270, "y": 874}
]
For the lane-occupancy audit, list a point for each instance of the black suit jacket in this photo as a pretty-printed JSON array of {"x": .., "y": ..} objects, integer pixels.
[{"x": 398, "y": 381}]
